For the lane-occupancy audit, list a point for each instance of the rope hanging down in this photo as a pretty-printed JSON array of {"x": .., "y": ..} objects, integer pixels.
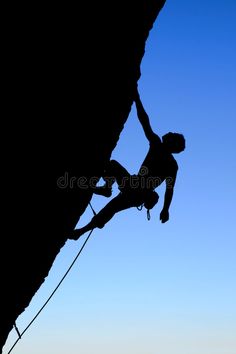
[
  {"x": 21, "y": 334},
  {"x": 73, "y": 262}
]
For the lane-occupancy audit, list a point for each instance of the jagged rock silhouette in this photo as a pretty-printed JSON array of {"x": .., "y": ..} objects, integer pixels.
[{"x": 73, "y": 72}]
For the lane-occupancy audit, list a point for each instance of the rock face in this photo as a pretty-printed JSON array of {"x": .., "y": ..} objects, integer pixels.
[{"x": 73, "y": 71}]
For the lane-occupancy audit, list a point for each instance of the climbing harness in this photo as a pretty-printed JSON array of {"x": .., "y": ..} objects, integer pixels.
[
  {"x": 49, "y": 298},
  {"x": 151, "y": 199}
]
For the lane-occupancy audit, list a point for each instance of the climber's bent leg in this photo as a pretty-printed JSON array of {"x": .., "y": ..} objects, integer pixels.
[
  {"x": 119, "y": 203},
  {"x": 114, "y": 171}
]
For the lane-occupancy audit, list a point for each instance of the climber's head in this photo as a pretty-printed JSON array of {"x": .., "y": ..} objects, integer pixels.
[{"x": 174, "y": 142}]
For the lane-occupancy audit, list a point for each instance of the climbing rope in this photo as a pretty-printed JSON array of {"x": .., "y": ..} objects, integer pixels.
[
  {"x": 94, "y": 212},
  {"x": 17, "y": 330},
  {"x": 37, "y": 314},
  {"x": 60, "y": 282}
]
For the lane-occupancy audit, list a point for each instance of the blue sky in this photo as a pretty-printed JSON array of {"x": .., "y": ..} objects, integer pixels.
[{"x": 142, "y": 287}]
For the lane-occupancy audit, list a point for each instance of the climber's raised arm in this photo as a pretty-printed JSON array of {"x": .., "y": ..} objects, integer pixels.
[{"x": 143, "y": 118}]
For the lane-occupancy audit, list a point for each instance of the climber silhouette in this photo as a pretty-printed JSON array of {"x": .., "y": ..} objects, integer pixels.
[{"x": 138, "y": 190}]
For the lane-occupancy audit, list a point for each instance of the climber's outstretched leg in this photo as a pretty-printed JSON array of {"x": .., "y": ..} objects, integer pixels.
[
  {"x": 121, "y": 202},
  {"x": 114, "y": 171}
]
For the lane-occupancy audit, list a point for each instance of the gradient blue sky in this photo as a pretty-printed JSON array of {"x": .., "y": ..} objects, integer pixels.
[{"x": 142, "y": 287}]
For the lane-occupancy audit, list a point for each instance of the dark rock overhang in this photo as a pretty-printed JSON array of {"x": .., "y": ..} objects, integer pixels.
[{"x": 74, "y": 69}]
